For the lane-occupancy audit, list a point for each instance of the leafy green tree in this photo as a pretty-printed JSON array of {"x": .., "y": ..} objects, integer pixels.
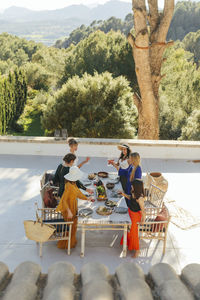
[
  {"x": 83, "y": 32},
  {"x": 13, "y": 96},
  {"x": 16, "y": 49},
  {"x": 191, "y": 130},
  {"x": 38, "y": 78},
  {"x": 93, "y": 106},
  {"x": 101, "y": 52},
  {"x": 191, "y": 42},
  {"x": 179, "y": 92},
  {"x": 186, "y": 19}
]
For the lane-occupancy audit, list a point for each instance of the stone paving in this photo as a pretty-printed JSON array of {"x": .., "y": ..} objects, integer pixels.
[{"x": 94, "y": 282}]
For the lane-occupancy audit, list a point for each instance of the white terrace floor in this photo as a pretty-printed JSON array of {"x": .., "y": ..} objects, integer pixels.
[{"x": 19, "y": 186}]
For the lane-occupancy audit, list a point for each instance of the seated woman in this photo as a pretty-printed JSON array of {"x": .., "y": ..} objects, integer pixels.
[
  {"x": 136, "y": 212},
  {"x": 134, "y": 171},
  {"x": 73, "y": 147},
  {"x": 68, "y": 204},
  {"x": 62, "y": 170}
]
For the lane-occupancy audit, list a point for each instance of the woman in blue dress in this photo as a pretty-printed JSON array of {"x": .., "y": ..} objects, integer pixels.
[{"x": 133, "y": 172}]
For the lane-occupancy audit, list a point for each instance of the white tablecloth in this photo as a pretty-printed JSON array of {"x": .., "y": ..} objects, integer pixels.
[{"x": 114, "y": 218}]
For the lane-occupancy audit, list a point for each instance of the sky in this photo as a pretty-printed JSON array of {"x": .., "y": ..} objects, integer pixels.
[{"x": 48, "y": 4}]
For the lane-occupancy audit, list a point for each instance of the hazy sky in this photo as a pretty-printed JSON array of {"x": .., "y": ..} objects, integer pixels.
[{"x": 48, "y": 4}]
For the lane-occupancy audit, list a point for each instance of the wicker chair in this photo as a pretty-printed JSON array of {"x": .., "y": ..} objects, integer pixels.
[
  {"x": 155, "y": 197},
  {"x": 62, "y": 229},
  {"x": 154, "y": 230}
]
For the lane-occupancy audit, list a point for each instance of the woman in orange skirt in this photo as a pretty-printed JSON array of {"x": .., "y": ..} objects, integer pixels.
[
  {"x": 68, "y": 204},
  {"x": 137, "y": 214}
]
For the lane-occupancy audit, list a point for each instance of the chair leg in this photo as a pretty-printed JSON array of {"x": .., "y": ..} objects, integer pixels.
[
  {"x": 83, "y": 241},
  {"x": 69, "y": 239},
  {"x": 40, "y": 249},
  {"x": 164, "y": 245}
]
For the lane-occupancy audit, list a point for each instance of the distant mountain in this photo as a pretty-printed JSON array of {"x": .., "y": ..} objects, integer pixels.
[
  {"x": 47, "y": 26},
  {"x": 112, "y": 8}
]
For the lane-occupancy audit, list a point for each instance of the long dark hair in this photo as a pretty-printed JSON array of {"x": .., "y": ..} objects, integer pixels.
[
  {"x": 138, "y": 187},
  {"x": 127, "y": 155}
]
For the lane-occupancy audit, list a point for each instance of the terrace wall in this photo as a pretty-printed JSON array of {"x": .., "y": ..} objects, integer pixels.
[{"x": 48, "y": 146}]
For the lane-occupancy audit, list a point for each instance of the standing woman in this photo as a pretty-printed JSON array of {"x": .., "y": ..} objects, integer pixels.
[
  {"x": 123, "y": 162},
  {"x": 73, "y": 146},
  {"x": 134, "y": 171},
  {"x": 68, "y": 205},
  {"x": 136, "y": 212}
]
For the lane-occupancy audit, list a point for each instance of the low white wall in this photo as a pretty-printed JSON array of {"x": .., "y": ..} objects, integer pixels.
[{"x": 99, "y": 147}]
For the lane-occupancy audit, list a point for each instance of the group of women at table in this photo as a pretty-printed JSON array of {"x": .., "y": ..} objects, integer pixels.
[{"x": 68, "y": 177}]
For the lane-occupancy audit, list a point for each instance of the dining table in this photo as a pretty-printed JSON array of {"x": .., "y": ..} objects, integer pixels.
[{"x": 115, "y": 221}]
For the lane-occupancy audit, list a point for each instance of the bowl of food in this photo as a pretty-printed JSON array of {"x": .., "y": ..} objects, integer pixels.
[
  {"x": 92, "y": 176},
  {"x": 103, "y": 174},
  {"x": 110, "y": 185},
  {"x": 110, "y": 203},
  {"x": 104, "y": 211},
  {"x": 101, "y": 193}
]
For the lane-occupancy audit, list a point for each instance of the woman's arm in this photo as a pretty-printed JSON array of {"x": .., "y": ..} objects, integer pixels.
[
  {"x": 125, "y": 195},
  {"x": 141, "y": 204},
  {"x": 83, "y": 162},
  {"x": 115, "y": 165},
  {"x": 80, "y": 195},
  {"x": 80, "y": 185}
]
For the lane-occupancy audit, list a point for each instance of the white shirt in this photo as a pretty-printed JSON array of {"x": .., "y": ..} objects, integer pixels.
[{"x": 123, "y": 164}]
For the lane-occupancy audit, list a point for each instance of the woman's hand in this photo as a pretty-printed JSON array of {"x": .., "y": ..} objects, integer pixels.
[
  {"x": 91, "y": 199},
  {"x": 120, "y": 192},
  {"x": 87, "y": 159},
  {"x": 90, "y": 191}
]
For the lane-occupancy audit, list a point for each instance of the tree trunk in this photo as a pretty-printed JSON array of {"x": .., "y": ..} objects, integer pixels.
[{"x": 148, "y": 45}]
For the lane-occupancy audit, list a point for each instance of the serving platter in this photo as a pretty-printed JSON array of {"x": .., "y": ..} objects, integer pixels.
[
  {"x": 103, "y": 174},
  {"x": 85, "y": 212},
  {"x": 110, "y": 203},
  {"x": 104, "y": 211}
]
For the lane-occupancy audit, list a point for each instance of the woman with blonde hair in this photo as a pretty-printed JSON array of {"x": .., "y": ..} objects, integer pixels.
[{"x": 134, "y": 171}]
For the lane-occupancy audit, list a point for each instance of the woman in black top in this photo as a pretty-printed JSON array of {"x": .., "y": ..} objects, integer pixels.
[
  {"x": 136, "y": 212},
  {"x": 62, "y": 170}
]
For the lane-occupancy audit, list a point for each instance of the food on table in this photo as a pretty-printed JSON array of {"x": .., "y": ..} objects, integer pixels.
[
  {"x": 101, "y": 193},
  {"x": 110, "y": 185},
  {"x": 85, "y": 212},
  {"x": 103, "y": 174},
  {"x": 110, "y": 203},
  {"x": 101, "y": 190},
  {"x": 92, "y": 176},
  {"x": 102, "y": 210}
]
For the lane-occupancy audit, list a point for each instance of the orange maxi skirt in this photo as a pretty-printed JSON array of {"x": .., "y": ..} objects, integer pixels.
[{"x": 132, "y": 235}]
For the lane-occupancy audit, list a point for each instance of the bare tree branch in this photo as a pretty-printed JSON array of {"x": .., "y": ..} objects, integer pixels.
[
  {"x": 131, "y": 39},
  {"x": 153, "y": 15},
  {"x": 166, "y": 19}
]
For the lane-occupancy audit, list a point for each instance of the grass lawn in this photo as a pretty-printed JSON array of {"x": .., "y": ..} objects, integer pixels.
[{"x": 30, "y": 122}]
